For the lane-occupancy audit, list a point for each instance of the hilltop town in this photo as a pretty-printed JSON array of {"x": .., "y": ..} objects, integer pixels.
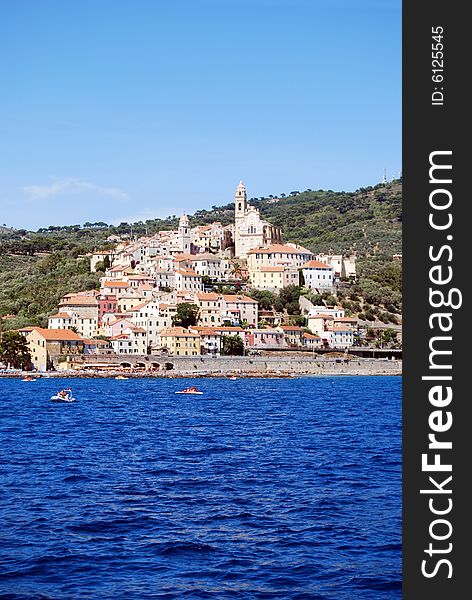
[{"x": 213, "y": 289}]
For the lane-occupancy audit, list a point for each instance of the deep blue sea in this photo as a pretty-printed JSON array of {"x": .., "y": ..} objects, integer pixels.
[{"x": 270, "y": 488}]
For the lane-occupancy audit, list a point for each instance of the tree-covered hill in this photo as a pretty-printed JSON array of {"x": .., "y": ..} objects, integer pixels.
[{"x": 367, "y": 221}]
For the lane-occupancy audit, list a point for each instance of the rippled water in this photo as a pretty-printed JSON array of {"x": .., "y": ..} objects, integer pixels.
[{"x": 258, "y": 489}]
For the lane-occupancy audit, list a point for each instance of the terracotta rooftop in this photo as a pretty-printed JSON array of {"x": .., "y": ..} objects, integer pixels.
[
  {"x": 120, "y": 336},
  {"x": 206, "y": 330},
  {"x": 317, "y": 264},
  {"x": 183, "y": 257},
  {"x": 139, "y": 306},
  {"x": 205, "y": 256},
  {"x": 279, "y": 249},
  {"x": 238, "y": 298},
  {"x": 58, "y": 334},
  {"x": 187, "y": 272},
  {"x": 95, "y": 342},
  {"x": 78, "y": 300},
  {"x": 116, "y": 284},
  {"x": 345, "y": 319},
  {"x": 177, "y": 332},
  {"x": 208, "y": 296}
]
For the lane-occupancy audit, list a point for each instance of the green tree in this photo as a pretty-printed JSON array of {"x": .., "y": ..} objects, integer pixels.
[
  {"x": 233, "y": 345},
  {"x": 14, "y": 350},
  {"x": 289, "y": 299},
  {"x": 186, "y": 315},
  {"x": 386, "y": 338}
]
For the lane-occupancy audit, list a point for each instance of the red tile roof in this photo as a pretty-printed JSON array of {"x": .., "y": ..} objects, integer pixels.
[
  {"x": 58, "y": 334},
  {"x": 177, "y": 332},
  {"x": 280, "y": 249},
  {"x": 317, "y": 264},
  {"x": 116, "y": 284},
  {"x": 238, "y": 298},
  {"x": 187, "y": 272},
  {"x": 209, "y": 296}
]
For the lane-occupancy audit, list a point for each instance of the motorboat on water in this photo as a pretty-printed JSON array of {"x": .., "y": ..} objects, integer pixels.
[
  {"x": 29, "y": 378},
  {"x": 121, "y": 377},
  {"x": 63, "y": 396},
  {"x": 190, "y": 390},
  {"x": 233, "y": 378}
]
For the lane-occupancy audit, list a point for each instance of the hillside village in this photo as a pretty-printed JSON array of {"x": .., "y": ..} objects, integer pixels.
[{"x": 198, "y": 290}]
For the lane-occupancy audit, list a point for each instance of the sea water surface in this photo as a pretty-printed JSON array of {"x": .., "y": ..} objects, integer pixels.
[{"x": 275, "y": 488}]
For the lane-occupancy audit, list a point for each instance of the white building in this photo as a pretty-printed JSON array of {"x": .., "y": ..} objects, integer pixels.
[
  {"x": 334, "y": 311},
  {"x": 207, "y": 265},
  {"x": 343, "y": 266},
  {"x": 273, "y": 278},
  {"x": 210, "y": 339},
  {"x": 187, "y": 279},
  {"x": 238, "y": 309},
  {"x": 278, "y": 255},
  {"x": 318, "y": 276},
  {"x": 164, "y": 279},
  {"x": 131, "y": 341},
  {"x": 340, "y": 337}
]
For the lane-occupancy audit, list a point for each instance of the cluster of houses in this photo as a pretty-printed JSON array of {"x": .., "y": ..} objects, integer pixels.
[
  {"x": 249, "y": 250},
  {"x": 146, "y": 279},
  {"x": 147, "y": 328}
]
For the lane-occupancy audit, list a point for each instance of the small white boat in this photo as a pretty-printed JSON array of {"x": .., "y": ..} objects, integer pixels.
[
  {"x": 64, "y": 396},
  {"x": 191, "y": 390},
  {"x": 121, "y": 377},
  {"x": 29, "y": 379}
]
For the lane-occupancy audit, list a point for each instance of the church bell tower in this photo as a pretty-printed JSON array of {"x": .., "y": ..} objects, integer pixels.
[
  {"x": 240, "y": 210},
  {"x": 240, "y": 200},
  {"x": 184, "y": 234}
]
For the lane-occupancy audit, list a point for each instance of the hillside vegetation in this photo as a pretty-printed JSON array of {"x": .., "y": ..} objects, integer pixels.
[{"x": 37, "y": 268}]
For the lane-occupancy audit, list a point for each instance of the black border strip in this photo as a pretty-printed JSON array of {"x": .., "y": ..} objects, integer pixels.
[{"x": 435, "y": 124}]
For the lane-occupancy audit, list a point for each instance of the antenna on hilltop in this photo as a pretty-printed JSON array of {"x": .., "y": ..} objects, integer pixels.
[{"x": 384, "y": 180}]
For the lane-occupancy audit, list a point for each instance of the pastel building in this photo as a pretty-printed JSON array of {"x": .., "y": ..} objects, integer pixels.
[
  {"x": 180, "y": 342},
  {"x": 47, "y": 345},
  {"x": 318, "y": 276},
  {"x": 278, "y": 255}
]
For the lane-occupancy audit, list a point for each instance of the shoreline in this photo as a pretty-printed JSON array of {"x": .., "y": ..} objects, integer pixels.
[{"x": 350, "y": 368}]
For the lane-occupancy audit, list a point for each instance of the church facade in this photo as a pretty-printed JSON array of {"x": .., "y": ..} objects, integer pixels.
[{"x": 250, "y": 231}]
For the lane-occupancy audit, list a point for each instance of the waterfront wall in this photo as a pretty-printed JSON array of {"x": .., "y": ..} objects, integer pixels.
[{"x": 258, "y": 365}]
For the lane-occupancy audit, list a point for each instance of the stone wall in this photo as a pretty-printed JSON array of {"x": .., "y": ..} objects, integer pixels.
[{"x": 258, "y": 365}]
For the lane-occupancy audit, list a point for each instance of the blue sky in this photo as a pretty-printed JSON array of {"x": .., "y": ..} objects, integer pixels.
[{"x": 117, "y": 110}]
